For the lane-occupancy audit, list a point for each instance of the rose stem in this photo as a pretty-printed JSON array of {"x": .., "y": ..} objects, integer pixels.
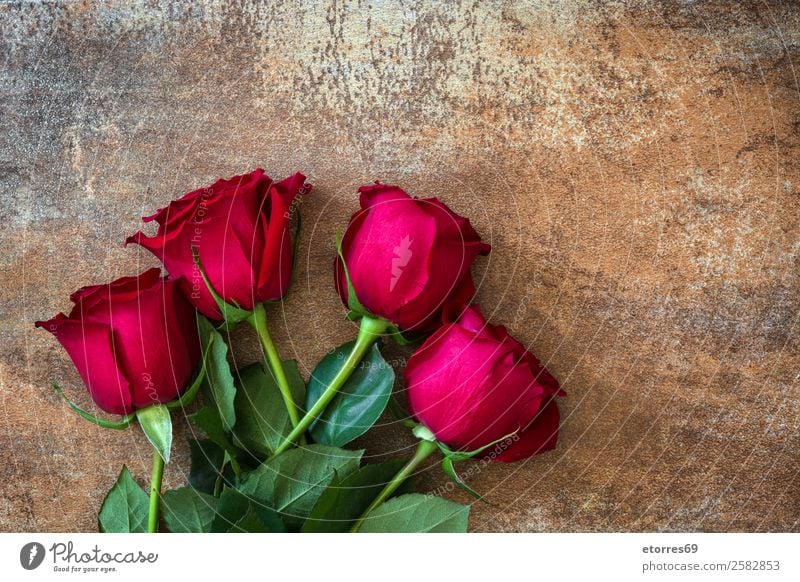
[
  {"x": 155, "y": 491},
  {"x": 424, "y": 450},
  {"x": 259, "y": 322},
  {"x": 368, "y": 333}
]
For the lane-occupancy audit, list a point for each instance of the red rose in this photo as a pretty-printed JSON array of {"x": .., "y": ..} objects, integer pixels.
[
  {"x": 471, "y": 384},
  {"x": 133, "y": 341},
  {"x": 240, "y": 230},
  {"x": 408, "y": 258}
]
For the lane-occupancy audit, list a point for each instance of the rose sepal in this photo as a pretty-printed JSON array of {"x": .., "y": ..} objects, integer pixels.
[
  {"x": 189, "y": 395},
  {"x": 231, "y": 313},
  {"x": 404, "y": 339},
  {"x": 357, "y": 309},
  {"x": 464, "y": 455},
  {"x": 423, "y": 433},
  {"x": 450, "y": 457},
  {"x": 116, "y": 425}
]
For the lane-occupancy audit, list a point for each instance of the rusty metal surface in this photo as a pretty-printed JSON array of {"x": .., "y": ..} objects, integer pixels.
[{"x": 635, "y": 167}]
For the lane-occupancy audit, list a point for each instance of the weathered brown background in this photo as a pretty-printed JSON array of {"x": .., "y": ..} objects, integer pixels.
[{"x": 634, "y": 167}]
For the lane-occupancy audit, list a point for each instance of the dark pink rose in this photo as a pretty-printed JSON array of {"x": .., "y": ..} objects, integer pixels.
[
  {"x": 408, "y": 258},
  {"x": 240, "y": 230},
  {"x": 471, "y": 383},
  {"x": 133, "y": 341}
]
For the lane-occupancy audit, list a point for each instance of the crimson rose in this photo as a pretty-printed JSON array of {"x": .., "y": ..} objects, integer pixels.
[
  {"x": 240, "y": 231},
  {"x": 471, "y": 384},
  {"x": 408, "y": 258},
  {"x": 134, "y": 341}
]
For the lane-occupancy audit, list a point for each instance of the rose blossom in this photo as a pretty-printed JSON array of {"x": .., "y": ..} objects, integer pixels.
[
  {"x": 134, "y": 341},
  {"x": 471, "y": 384},
  {"x": 240, "y": 231},
  {"x": 408, "y": 258}
]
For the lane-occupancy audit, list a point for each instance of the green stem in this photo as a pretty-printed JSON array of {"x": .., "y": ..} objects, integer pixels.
[
  {"x": 368, "y": 333},
  {"x": 155, "y": 491},
  {"x": 258, "y": 320},
  {"x": 424, "y": 450}
]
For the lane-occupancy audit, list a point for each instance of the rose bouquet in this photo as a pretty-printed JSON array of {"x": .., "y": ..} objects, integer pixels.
[{"x": 274, "y": 456}]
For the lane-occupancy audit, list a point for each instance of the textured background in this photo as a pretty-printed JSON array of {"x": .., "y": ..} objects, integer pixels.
[{"x": 635, "y": 168}]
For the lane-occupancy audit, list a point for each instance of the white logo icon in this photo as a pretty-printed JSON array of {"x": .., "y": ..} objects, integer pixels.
[{"x": 402, "y": 255}]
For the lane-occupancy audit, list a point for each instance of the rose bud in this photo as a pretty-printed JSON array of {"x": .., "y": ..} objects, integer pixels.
[
  {"x": 471, "y": 384},
  {"x": 239, "y": 229},
  {"x": 408, "y": 258},
  {"x": 133, "y": 341}
]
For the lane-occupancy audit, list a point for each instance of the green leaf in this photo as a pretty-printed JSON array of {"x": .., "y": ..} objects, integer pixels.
[
  {"x": 156, "y": 423},
  {"x": 399, "y": 413},
  {"x": 297, "y": 386},
  {"x": 262, "y": 422},
  {"x": 187, "y": 510},
  {"x": 207, "y": 419},
  {"x": 416, "y": 513},
  {"x": 207, "y": 463},
  {"x": 125, "y": 507},
  {"x": 358, "y": 404},
  {"x": 249, "y": 523},
  {"x": 344, "y": 500},
  {"x": 219, "y": 386},
  {"x": 238, "y": 514},
  {"x": 292, "y": 482}
]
